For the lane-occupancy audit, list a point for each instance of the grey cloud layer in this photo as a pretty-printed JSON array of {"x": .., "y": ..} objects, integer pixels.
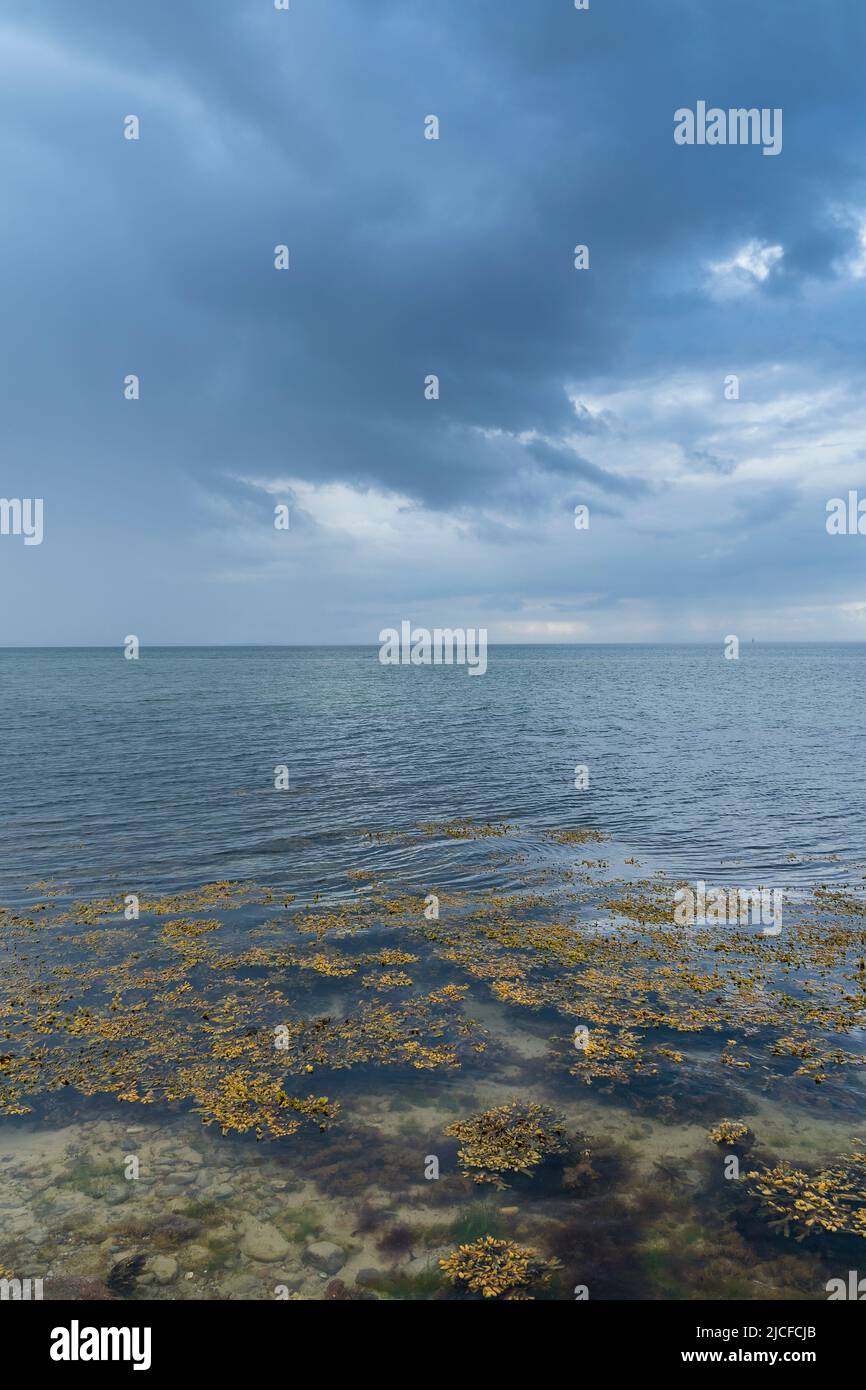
[{"x": 411, "y": 257}]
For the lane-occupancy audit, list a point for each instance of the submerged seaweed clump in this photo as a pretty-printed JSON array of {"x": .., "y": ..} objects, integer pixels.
[
  {"x": 729, "y": 1132},
  {"x": 496, "y": 1268},
  {"x": 831, "y": 1202},
  {"x": 181, "y": 1015},
  {"x": 397, "y": 1241},
  {"x": 582, "y": 836},
  {"x": 251, "y": 1022},
  {"x": 465, "y": 828},
  {"x": 511, "y": 1138}
]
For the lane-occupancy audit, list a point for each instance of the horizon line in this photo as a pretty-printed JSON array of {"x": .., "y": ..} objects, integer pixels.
[{"x": 304, "y": 646}]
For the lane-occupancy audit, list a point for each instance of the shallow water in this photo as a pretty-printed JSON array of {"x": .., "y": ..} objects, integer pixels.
[
  {"x": 163, "y": 768},
  {"x": 156, "y": 778}
]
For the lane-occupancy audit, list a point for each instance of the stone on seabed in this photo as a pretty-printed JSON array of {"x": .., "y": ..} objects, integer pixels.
[{"x": 325, "y": 1256}]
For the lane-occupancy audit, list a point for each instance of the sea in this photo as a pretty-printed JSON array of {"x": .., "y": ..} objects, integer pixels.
[{"x": 440, "y": 886}]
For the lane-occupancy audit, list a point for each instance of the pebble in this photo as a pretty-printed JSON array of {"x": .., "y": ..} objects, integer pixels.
[
  {"x": 325, "y": 1256},
  {"x": 163, "y": 1268},
  {"x": 261, "y": 1241}
]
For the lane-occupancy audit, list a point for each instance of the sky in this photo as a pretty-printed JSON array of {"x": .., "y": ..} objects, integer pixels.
[{"x": 410, "y": 257}]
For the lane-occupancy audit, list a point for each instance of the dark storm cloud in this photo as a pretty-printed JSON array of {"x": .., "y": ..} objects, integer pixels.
[
  {"x": 569, "y": 464},
  {"x": 409, "y": 257}
]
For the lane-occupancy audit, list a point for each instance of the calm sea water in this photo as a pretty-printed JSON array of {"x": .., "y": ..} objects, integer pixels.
[
  {"x": 157, "y": 775},
  {"x": 161, "y": 771}
]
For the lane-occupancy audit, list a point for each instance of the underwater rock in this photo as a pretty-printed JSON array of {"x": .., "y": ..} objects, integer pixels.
[
  {"x": 337, "y": 1290},
  {"x": 221, "y": 1235},
  {"x": 195, "y": 1256},
  {"x": 262, "y": 1241},
  {"x": 325, "y": 1256},
  {"x": 171, "y": 1229},
  {"x": 163, "y": 1268},
  {"x": 116, "y": 1197},
  {"x": 188, "y": 1157},
  {"x": 101, "y": 1162}
]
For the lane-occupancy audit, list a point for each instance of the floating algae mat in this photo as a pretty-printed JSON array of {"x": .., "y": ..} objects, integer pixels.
[{"x": 400, "y": 1091}]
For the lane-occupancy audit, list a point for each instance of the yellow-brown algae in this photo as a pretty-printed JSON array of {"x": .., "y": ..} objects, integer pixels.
[
  {"x": 728, "y": 1132},
  {"x": 512, "y": 1138},
  {"x": 830, "y": 1202},
  {"x": 141, "y": 1008},
  {"x": 496, "y": 1268}
]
